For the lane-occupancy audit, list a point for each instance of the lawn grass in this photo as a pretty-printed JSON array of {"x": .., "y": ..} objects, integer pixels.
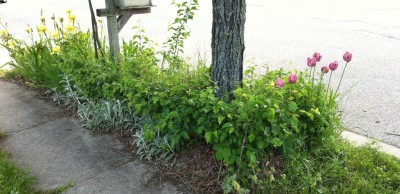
[
  {"x": 339, "y": 167},
  {"x": 3, "y": 134},
  {"x": 12, "y": 178}
]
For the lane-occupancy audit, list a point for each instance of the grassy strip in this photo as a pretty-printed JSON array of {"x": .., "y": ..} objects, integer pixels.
[
  {"x": 338, "y": 167},
  {"x": 12, "y": 178}
]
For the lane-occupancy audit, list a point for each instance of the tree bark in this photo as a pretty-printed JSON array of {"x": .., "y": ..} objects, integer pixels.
[{"x": 229, "y": 17}]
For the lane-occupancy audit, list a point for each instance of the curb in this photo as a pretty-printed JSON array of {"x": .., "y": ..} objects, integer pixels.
[{"x": 360, "y": 140}]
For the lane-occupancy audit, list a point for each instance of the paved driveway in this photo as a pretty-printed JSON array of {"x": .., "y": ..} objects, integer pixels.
[{"x": 283, "y": 34}]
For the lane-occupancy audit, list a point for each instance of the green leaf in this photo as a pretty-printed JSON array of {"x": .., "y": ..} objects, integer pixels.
[
  {"x": 277, "y": 142},
  {"x": 226, "y": 125},
  {"x": 270, "y": 114},
  {"x": 251, "y": 138},
  {"x": 226, "y": 153},
  {"x": 260, "y": 144},
  {"x": 208, "y": 137},
  {"x": 288, "y": 146},
  {"x": 220, "y": 119},
  {"x": 231, "y": 130},
  {"x": 216, "y": 109},
  {"x": 292, "y": 106}
]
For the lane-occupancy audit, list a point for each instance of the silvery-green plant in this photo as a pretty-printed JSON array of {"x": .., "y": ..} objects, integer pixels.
[{"x": 159, "y": 147}]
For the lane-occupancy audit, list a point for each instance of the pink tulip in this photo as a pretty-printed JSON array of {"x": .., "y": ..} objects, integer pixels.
[
  {"x": 333, "y": 66},
  {"x": 347, "y": 56},
  {"x": 324, "y": 69},
  {"x": 279, "y": 83},
  {"x": 317, "y": 56},
  {"x": 311, "y": 62},
  {"x": 293, "y": 78}
]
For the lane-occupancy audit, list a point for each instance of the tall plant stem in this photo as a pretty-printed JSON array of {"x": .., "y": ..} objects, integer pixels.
[
  {"x": 312, "y": 82},
  {"x": 327, "y": 88},
  {"x": 341, "y": 78}
]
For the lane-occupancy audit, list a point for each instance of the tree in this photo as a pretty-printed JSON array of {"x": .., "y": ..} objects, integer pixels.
[{"x": 227, "y": 44}]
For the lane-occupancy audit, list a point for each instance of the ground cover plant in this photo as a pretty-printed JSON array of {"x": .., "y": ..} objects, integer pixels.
[{"x": 279, "y": 134}]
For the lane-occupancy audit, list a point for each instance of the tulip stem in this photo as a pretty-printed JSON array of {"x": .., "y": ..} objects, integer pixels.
[
  {"x": 312, "y": 81},
  {"x": 341, "y": 78},
  {"x": 327, "y": 87}
]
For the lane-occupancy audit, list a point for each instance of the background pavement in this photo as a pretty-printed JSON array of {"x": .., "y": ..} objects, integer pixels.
[{"x": 283, "y": 34}]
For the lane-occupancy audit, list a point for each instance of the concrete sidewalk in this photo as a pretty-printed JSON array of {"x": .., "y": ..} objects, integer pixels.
[{"x": 57, "y": 150}]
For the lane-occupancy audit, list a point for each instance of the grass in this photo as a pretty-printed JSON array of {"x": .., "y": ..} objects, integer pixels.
[
  {"x": 3, "y": 134},
  {"x": 339, "y": 167},
  {"x": 15, "y": 180},
  {"x": 12, "y": 178}
]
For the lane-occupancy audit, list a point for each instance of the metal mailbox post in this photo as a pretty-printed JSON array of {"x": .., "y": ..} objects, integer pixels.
[{"x": 118, "y": 13}]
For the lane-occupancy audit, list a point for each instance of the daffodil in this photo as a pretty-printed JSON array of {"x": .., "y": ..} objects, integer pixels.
[
  {"x": 70, "y": 28},
  {"x": 56, "y": 49},
  {"x": 3, "y": 32},
  {"x": 11, "y": 44},
  {"x": 42, "y": 28},
  {"x": 72, "y": 17},
  {"x": 69, "y": 11},
  {"x": 55, "y": 35}
]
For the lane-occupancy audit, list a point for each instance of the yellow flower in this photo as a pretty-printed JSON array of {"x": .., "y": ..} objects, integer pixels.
[
  {"x": 11, "y": 44},
  {"x": 56, "y": 35},
  {"x": 42, "y": 28},
  {"x": 56, "y": 49},
  {"x": 72, "y": 17},
  {"x": 70, "y": 28},
  {"x": 3, "y": 32},
  {"x": 69, "y": 11}
]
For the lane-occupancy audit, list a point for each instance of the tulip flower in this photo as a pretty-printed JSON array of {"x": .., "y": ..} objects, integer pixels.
[
  {"x": 279, "y": 83},
  {"x": 333, "y": 66},
  {"x": 311, "y": 62},
  {"x": 293, "y": 78},
  {"x": 347, "y": 57},
  {"x": 317, "y": 56}
]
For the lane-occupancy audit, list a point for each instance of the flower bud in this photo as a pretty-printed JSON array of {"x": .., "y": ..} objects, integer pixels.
[
  {"x": 324, "y": 70},
  {"x": 333, "y": 66},
  {"x": 293, "y": 78},
  {"x": 347, "y": 57}
]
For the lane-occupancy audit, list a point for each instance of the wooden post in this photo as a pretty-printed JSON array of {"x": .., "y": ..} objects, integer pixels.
[
  {"x": 112, "y": 25},
  {"x": 116, "y": 20}
]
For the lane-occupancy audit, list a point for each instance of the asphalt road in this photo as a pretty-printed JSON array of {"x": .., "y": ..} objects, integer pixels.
[{"x": 283, "y": 34}]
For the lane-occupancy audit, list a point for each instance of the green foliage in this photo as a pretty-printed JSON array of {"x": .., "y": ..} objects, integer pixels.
[
  {"x": 175, "y": 43},
  {"x": 165, "y": 108},
  {"x": 12, "y": 178},
  {"x": 3, "y": 134},
  {"x": 336, "y": 167},
  {"x": 56, "y": 51}
]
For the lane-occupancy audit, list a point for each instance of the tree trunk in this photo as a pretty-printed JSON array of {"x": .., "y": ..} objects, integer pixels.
[{"x": 229, "y": 17}]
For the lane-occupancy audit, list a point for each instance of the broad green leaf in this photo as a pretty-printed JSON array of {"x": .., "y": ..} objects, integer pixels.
[
  {"x": 226, "y": 125},
  {"x": 260, "y": 144},
  {"x": 226, "y": 153},
  {"x": 208, "y": 136},
  {"x": 288, "y": 146},
  {"x": 251, "y": 138},
  {"x": 292, "y": 106},
  {"x": 277, "y": 142},
  {"x": 220, "y": 119},
  {"x": 231, "y": 129},
  {"x": 270, "y": 113}
]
